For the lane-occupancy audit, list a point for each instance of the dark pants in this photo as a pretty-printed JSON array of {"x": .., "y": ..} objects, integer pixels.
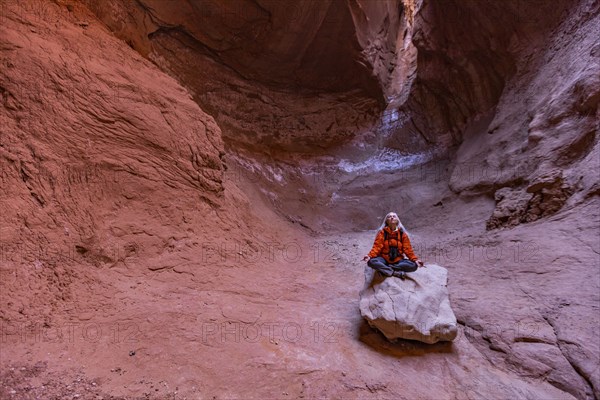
[{"x": 379, "y": 264}]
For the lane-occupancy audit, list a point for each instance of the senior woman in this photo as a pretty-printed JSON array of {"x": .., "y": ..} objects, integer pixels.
[{"x": 392, "y": 254}]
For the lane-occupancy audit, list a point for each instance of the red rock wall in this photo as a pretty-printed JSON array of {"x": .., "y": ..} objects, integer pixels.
[
  {"x": 303, "y": 44},
  {"x": 540, "y": 143},
  {"x": 275, "y": 75},
  {"x": 103, "y": 157},
  {"x": 510, "y": 88}
]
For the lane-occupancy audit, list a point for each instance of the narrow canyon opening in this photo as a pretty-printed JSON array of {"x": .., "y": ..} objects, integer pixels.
[{"x": 189, "y": 188}]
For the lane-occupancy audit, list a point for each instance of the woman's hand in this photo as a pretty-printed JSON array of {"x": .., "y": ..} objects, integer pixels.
[
  {"x": 420, "y": 263},
  {"x": 366, "y": 258}
]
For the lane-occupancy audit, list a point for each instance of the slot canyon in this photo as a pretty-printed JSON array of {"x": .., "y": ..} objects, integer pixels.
[{"x": 188, "y": 189}]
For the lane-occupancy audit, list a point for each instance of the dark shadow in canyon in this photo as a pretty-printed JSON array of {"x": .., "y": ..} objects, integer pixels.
[{"x": 376, "y": 341}]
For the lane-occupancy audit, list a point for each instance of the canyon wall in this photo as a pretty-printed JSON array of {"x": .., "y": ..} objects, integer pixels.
[
  {"x": 104, "y": 159},
  {"x": 128, "y": 146},
  {"x": 274, "y": 75},
  {"x": 474, "y": 74}
]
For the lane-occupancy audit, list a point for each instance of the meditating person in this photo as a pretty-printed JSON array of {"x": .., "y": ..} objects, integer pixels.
[{"x": 392, "y": 254}]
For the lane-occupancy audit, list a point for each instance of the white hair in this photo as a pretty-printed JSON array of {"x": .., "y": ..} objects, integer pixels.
[{"x": 384, "y": 224}]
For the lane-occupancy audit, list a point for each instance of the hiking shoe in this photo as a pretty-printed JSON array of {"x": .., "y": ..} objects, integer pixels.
[{"x": 399, "y": 274}]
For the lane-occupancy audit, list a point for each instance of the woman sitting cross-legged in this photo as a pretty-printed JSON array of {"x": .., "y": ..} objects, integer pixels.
[{"x": 390, "y": 248}]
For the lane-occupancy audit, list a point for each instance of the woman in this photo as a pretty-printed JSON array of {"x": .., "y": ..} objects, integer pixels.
[{"x": 390, "y": 247}]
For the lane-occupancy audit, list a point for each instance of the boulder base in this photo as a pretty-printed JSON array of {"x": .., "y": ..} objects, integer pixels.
[{"x": 417, "y": 308}]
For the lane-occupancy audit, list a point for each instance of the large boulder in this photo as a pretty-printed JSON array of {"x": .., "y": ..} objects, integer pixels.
[{"x": 416, "y": 308}]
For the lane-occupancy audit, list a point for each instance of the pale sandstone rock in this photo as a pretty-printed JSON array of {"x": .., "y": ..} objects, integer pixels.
[{"x": 417, "y": 308}]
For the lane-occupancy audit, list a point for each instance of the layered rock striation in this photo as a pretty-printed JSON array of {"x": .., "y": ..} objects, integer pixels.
[
  {"x": 113, "y": 169},
  {"x": 102, "y": 155},
  {"x": 276, "y": 76}
]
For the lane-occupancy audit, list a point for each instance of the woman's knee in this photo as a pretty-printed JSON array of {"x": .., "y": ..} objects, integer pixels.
[
  {"x": 411, "y": 267},
  {"x": 373, "y": 262},
  {"x": 407, "y": 266}
]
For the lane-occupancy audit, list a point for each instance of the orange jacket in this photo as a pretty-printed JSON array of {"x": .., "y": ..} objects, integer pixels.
[{"x": 381, "y": 247}]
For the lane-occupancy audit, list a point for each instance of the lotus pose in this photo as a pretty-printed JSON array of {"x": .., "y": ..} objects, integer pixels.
[{"x": 392, "y": 254}]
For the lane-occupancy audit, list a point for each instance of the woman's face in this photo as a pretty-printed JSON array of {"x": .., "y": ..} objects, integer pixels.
[{"x": 391, "y": 219}]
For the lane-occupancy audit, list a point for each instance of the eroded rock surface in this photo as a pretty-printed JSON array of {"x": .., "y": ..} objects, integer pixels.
[
  {"x": 417, "y": 308},
  {"x": 275, "y": 75},
  {"x": 118, "y": 208},
  {"x": 103, "y": 156}
]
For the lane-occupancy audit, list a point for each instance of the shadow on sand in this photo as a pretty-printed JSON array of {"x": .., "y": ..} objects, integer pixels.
[{"x": 401, "y": 347}]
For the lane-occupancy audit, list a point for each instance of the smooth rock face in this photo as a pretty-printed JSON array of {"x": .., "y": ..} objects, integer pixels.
[
  {"x": 277, "y": 43},
  {"x": 417, "y": 308}
]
